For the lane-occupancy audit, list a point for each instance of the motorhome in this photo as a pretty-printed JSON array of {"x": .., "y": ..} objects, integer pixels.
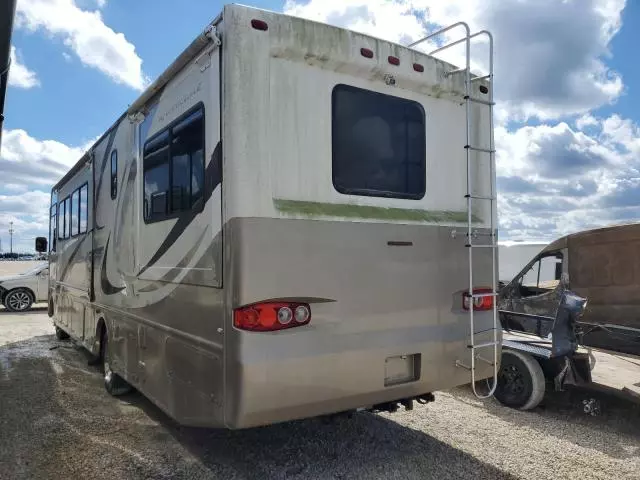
[
  {"x": 601, "y": 265},
  {"x": 293, "y": 220}
]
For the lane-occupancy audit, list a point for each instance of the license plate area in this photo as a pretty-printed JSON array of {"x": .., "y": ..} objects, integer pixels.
[{"x": 401, "y": 369}]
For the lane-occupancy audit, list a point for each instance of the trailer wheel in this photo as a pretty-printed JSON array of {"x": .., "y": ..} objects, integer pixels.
[
  {"x": 521, "y": 382},
  {"x": 61, "y": 334},
  {"x": 113, "y": 383}
]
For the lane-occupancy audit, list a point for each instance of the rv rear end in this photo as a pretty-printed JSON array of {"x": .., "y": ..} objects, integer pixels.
[{"x": 344, "y": 180}]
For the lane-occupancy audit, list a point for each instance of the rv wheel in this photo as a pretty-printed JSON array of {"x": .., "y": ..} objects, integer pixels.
[
  {"x": 521, "y": 382},
  {"x": 113, "y": 383},
  {"x": 61, "y": 334}
]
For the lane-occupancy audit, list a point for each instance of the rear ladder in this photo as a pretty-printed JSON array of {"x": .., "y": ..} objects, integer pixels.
[{"x": 470, "y": 197}]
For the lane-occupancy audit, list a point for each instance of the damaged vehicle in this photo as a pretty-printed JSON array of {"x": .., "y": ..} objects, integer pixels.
[
  {"x": 602, "y": 265},
  {"x": 544, "y": 316}
]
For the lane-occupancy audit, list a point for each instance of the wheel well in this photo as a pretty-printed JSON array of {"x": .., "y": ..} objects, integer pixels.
[{"x": 101, "y": 329}]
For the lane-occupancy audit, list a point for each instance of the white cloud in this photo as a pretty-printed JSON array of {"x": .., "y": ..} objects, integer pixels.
[
  {"x": 19, "y": 75},
  {"x": 554, "y": 180},
  {"x": 549, "y": 53},
  {"x": 26, "y": 160},
  {"x": 86, "y": 34},
  {"x": 30, "y": 167},
  {"x": 585, "y": 121}
]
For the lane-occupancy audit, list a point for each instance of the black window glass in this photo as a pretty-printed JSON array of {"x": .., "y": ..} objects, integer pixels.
[
  {"x": 114, "y": 174},
  {"x": 379, "y": 144},
  {"x": 174, "y": 168}
]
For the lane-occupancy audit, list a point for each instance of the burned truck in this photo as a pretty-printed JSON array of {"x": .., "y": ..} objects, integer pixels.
[
  {"x": 547, "y": 323},
  {"x": 602, "y": 265}
]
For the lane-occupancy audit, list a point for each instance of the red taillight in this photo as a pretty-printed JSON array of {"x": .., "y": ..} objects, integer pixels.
[
  {"x": 393, "y": 60},
  {"x": 483, "y": 299},
  {"x": 259, "y": 25},
  {"x": 365, "y": 52},
  {"x": 418, "y": 68},
  {"x": 268, "y": 317}
]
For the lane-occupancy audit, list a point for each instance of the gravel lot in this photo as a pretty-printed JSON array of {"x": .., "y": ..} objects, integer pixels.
[{"x": 56, "y": 421}]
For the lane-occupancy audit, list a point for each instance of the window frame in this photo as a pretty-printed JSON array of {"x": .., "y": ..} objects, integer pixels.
[
  {"x": 53, "y": 222},
  {"x": 375, "y": 193},
  {"x": 61, "y": 208},
  {"x": 197, "y": 207},
  {"x": 558, "y": 255},
  {"x": 114, "y": 174}
]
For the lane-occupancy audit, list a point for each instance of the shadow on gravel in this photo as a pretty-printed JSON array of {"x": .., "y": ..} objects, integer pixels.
[
  {"x": 561, "y": 415},
  {"x": 58, "y": 422},
  {"x": 363, "y": 446}
]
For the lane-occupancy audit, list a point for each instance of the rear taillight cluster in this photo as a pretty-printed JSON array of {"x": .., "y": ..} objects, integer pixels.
[
  {"x": 482, "y": 299},
  {"x": 269, "y": 317}
]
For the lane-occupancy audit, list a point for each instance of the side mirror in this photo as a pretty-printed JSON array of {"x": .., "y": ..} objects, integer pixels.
[{"x": 41, "y": 244}]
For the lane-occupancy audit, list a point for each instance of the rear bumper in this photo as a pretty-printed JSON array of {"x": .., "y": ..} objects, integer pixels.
[{"x": 281, "y": 377}]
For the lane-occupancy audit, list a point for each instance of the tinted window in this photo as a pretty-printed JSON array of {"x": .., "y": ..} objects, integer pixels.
[
  {"x": 174, "y": 168},
  {"x": 52, "y": 228},
  {"x": 61, "y": 218},
  {"x": 75, "y": 210},
  {"x": 379, "y": 144},
  {"x": 84, "y": 208},
  {"x": 67, "y": 220},
  {"x": 114, "y": 174}
]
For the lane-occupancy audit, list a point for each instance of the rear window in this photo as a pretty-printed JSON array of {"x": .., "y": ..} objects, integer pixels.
[{"x": 379, "y": 144}]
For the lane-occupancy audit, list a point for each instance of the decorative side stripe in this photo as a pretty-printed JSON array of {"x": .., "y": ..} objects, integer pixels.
[{"x": 344, "y": 210}]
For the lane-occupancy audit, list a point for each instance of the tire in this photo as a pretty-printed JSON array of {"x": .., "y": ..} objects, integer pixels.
[
  {"x": 113, "y": 383},
  {"x": 521, "y": 382},
  {"x": 61, "y": 334},
  {"x": 18, "y": 300}
]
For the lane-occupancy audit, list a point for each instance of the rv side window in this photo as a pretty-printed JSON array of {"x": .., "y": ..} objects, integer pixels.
[
  {"x": 61, "y": 220},
  {"x": 174, "y": 168},
  {"x": 84, "y": 209},
  {"x": 75, "y": 211},
  {"x": 379, "y": 144},
  {"x": 67, "y": 217},
  {"x": 114, "y": 174},
  {"x": 52, "y": 227}
]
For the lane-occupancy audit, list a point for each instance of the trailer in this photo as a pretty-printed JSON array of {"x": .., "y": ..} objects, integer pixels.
[{"x": 293, "y": 220}]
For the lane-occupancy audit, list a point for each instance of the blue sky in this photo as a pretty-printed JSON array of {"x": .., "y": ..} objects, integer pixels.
[{"x": 567, "y": 82}]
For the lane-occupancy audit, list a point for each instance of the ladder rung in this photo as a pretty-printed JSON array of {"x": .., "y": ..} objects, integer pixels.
[
  {"x": 481, "y": 234},
  {"x": 479, "y": 79},
  {"x": 471, "y": 245},
  {"x": 479, "y": 149},
  {"x": 483, "y": 295},
  {"x": 480, "y": 197},
  {"x": 479, "y": 100},
  {"x": 484, "y": 345}
]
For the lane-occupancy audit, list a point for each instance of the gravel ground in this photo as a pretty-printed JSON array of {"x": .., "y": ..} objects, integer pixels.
[{"x": 56, "y": 421}]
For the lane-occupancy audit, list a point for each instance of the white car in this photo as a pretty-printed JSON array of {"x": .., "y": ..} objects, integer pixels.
[{"x": 19, "y": 292}]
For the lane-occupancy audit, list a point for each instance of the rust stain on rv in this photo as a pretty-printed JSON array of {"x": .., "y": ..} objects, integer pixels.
[{"x": 320, "y": 209}]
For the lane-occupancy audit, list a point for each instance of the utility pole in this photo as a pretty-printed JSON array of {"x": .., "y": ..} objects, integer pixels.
[{"x": 11, "y": 230}]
